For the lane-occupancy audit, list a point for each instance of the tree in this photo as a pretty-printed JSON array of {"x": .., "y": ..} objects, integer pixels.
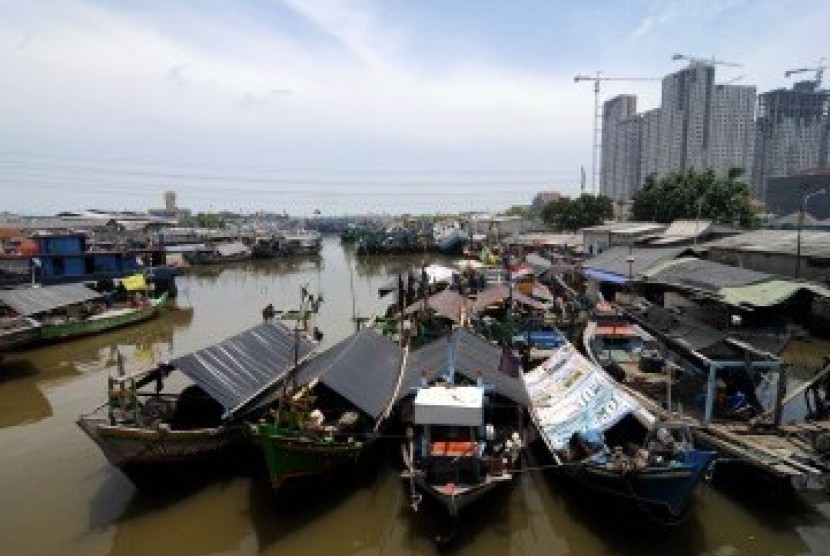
[
  {"x": 518, "y": 210},
  {"x": 695, "y": 194},
  {"x": 572, "y": 214}
]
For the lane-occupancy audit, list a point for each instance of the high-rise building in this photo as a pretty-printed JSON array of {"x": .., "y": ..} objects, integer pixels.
[
  {"x": 650, "y": 145},
  {"x": 170, "y": 201},
  {"x": 732, "y": 129},
  {"x": 685, "y": 118},
  {"x": 614, "y": 111},
  {"x": 793, "y": 133},
  {"x": 626, "y": 176}
]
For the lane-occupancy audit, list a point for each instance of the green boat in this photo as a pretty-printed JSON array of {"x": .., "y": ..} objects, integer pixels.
[
  {"x": 100, "y": 322},
  {"x": 297, "y": 442}
]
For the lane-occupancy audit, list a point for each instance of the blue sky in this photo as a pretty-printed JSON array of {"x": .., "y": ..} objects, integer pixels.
[{"x": 345, "y": 106}]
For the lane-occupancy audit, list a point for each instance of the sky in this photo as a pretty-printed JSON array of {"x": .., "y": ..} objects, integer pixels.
[{"x": 346, "y": 106}]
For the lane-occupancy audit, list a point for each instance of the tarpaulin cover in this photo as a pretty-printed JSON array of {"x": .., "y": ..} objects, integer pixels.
[
  {"x": 31, "y": 301},
  {"x": 446, "y": 303},
  {"x": 235, "y": 370},
  {"x": 136, "y": 282},
  {"x": 570, "y": 394},
  {"x": 230, "y": 249},
  {"x": 473, "y": 355},
  {"x": 363, "y": 368}
]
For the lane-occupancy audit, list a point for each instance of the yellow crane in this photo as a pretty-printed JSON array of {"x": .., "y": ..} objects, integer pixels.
[
  {"x": 818, "y": 69},
  {"x": 597, "y": 79}
]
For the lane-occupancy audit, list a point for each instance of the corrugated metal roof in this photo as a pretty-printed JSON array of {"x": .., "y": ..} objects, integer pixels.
[
  {"x": 687, "y": 228},
  {"x": 363, "y": 368},
  {"x": 473, "y": 356},
  {"x": 622, "y": 227},
  {"x": 709, "y": 276},
  {"x": 615, "y": 259},
  {"x": 769, "y": 293},
  {"x": 813, "y": 243},
  {"x": 677, "y": 327},
  {"x": 237, "y": 369},
  {"x": 31, "y": 301}
]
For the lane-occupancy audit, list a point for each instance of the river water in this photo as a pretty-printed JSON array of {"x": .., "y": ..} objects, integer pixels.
[{"x": 59, "y": 496}]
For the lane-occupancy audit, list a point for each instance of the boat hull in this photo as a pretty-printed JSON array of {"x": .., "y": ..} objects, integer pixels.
[
  {"x": 452, "y": 501},
  {"x": 129, "y": 447},
  {"x": 289, "y": 457},
  {"x": 664, "y": 493},
  {"x": 51, "y": 332}
]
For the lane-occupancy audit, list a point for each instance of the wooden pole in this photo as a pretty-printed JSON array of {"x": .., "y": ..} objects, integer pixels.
[
  {"x": 779, "y": 395},
  {"x": 710, "y": 392}
]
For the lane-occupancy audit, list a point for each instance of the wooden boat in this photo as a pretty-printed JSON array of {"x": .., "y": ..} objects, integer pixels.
[
  {"x": 302, "y": 242},
  {"x": 451, "y": 454},
  {"x": 624, "y": 350},
  {"x": 458, "y": 447},
  {"x": 107, "y": 319},
  {"x": 219, "y": 254},
  {"x": 139, "y": 430},
  {"x": 297, "y": 441},
  {"x": 605, "y": 440},
  {"x": 17, "y": 332},
  {"x": 336, "y": 413}
]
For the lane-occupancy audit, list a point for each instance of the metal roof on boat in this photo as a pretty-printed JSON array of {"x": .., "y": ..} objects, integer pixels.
[
  {"x": 473, "y": 355},
  {"x": 236, "y": 370},
  {"x": 31, "y": 301},
  {"x": 363, "y": 368}
]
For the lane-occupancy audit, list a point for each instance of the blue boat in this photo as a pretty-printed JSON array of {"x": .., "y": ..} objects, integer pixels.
[{"x": 606, "y": 441}]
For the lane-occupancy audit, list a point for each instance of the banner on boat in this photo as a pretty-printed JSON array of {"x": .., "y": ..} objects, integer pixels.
[{"x": 569, "y": 393}]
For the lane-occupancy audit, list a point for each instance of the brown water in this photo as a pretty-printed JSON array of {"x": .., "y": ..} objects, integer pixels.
[{"x": 58, "y": 495}]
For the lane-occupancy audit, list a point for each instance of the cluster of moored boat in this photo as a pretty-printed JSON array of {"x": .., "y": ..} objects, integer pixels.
[{"x": 451, "y": 376}]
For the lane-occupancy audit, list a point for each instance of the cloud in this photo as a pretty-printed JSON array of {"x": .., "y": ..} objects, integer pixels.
[{"x": 665, "y": 12}]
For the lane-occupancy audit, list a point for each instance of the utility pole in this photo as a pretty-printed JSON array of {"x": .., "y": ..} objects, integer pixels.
[
  {"x": 597, "y": 78},
  {"x": 806, "y": 197}
]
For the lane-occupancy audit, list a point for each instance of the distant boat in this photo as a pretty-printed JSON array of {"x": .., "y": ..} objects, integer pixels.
[
  {"x": 219, "y": 254},
  {"x": 302, "y": 242},
  {"x": 606, "y": 441},
  {"x": 72, "y": 310},
  {"x": 140, "y": 430},
  {"x": 107, "y": 319}
]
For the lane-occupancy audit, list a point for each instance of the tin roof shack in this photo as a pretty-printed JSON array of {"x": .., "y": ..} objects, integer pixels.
[
  {"x": 616, "y": 268},
  {"x": 777, "y": 252},
  {"x": 713, "y": 292},
  {"x": 596, "y": 239}
]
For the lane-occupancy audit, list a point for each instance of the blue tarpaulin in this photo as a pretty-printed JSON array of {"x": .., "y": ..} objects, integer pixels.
[{"x": 605, "y": 276}]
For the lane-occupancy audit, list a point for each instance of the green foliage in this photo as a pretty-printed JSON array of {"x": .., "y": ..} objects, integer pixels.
[
  {"x": 692, "y": 194},
  {"x": 518, "y": 210},
  {"x": 205, "y": 220},
  {"x": 572, "y": 214}
]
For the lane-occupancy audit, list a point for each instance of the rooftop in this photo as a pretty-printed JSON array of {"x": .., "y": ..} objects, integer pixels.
[{"x": 813, "y": 243}]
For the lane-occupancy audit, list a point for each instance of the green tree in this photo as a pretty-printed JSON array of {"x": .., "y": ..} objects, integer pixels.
[
  {"x": 572, "y": 214},
  {"x": 517, "y": 210},
  {"x": 692, "y": 194}
]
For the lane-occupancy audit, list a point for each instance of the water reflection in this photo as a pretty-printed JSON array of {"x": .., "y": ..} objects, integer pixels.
[{"x": 26, "y": 372}]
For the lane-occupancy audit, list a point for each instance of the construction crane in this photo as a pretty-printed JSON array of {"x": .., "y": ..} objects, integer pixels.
[
  {"x": 597, "y": 79},
  {"x": 819, "y": 72},
  {"x": 708, "y": 61}
]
